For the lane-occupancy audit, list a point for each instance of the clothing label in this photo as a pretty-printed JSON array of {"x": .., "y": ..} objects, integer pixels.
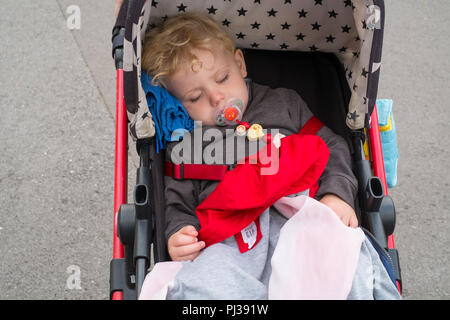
[
  {"x": 249, "y": 237},
  {"x": 249, "y": 234}
]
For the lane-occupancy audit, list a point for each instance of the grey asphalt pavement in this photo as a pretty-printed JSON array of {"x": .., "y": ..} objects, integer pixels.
[{"x": 57, "y": 100}]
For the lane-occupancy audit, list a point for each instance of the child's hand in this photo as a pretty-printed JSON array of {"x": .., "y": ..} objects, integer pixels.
[
  {"x": 344, "y": 211},
  {"x": 184, "y": 245}
]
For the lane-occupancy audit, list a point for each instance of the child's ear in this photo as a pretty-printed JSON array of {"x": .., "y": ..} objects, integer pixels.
[{"x": 240, "y": 61}]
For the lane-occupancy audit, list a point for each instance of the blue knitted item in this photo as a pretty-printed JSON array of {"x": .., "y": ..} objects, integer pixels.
[{"x": 170, "y": 117}]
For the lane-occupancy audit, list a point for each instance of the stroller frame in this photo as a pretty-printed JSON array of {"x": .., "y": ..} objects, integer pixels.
[{"x": 135, "y": 224}]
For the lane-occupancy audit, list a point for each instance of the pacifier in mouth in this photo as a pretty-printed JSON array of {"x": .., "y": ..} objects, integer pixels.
[{"x": 230, "y": 113}]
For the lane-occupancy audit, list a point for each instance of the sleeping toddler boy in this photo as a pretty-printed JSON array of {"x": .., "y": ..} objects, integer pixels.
[{"x": 196, "y": 61}]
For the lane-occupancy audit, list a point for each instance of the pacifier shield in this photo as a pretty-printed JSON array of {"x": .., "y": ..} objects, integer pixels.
[{"x": 229, "y": 113}]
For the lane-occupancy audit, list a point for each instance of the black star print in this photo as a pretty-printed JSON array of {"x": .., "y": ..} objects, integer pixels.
[
  {"x": 365, "y": 100},
  {"x": 272, "y": 13},
  {"x": 240, "y": 35},
  {"x": 313, "y": 48},
  {"x": 242, "y": 11},
  {"x": 255, "y": 45},
  {"x": 343, "y": 49},
  {"x": 285, "y": 26},
  {"x": 257, "y": 1},
  {"x": 302, "y": 14},
  {"x": 182, "y": 7},
  {"x": 332, "y": 14},
  {"x": 270, "y": 36},
  {"x": 330, "y": 38},
  {"x": 353, "y": 115},
  {"x": 318, "y": 2},
  {"x": 154, "y": 3},
  {"x": 357, "y": 38},
  {"x": 356, "y": 54},
  {"x": 348, "y": 3},
  {"x": 283, "y": 46},
  {"x": 316, "y": 26},
  {"x": 226, "y": 23},
  {"x": 300, "y": 36},
  {"x": 212, "y": 10},
  {"x": 364, "y": 24},
  {"x": 287, "y": 1},
  {"x": 255, "y": 25},
  {"x": 364, "y": 73},
  {"x": 346, "y": 28},
  {"x": 350, "y": 74}
]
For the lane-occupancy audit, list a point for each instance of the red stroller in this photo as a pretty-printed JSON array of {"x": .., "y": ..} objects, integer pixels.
[{"x": 336, "y": 46}]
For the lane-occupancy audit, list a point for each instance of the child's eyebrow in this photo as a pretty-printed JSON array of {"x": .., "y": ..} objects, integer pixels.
[
  {"x": 221, "y": 69},
  {"x": 214, "y": 75}
]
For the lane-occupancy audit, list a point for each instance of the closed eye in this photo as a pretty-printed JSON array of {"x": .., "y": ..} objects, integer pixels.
[
  {"x": 223, "y": 79},
  {"x": 193, "y": 100}
]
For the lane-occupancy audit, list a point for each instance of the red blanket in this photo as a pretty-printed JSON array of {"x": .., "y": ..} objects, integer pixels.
[{"x": 245, "y": 192}]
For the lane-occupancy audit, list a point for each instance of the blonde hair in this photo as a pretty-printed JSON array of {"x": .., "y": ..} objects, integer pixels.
[{"x": 170, "y": 44}]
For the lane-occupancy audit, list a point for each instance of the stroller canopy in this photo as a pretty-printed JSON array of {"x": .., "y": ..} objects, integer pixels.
[{"x": 352, "y": 30}]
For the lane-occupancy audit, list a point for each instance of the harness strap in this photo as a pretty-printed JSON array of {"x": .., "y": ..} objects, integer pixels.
[
  {"x": 217, "y": 172},
  {"x": 195, "y": 171},
  {"x": 312, "y": 126}
]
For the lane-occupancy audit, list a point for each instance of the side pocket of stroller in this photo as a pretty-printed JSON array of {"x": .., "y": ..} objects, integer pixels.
[{"x": 390, "y": 261}]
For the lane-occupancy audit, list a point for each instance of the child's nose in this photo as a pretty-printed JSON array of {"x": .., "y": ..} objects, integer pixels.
[{"x": 216, "y": 97}]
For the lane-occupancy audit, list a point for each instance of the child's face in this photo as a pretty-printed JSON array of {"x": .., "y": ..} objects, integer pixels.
[{"x": 207, "y": 85}]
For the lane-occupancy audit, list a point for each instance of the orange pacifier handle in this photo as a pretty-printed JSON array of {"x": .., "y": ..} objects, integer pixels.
[
  {"x": 231, "y": 113},
  {"x": 228, "y": 114}
]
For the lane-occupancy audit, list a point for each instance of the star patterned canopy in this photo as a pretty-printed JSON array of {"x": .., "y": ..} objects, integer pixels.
[{"x": 351, "y": 29}]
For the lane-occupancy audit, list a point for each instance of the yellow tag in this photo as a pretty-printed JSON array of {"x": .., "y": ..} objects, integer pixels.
[
  {"x": 366, "y": 147},
  {"x": 387, "y": 127}
]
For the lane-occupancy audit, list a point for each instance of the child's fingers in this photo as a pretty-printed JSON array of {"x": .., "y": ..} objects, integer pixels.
[
  {"x": 345, "y": 220},
  {"x": 189, "y": 230},
  {"x": 354, "y": 222},
  {"x": 182, "y": 239},
  {"x": 185, "y": 252},
  {"x": 190, "y": 257}
]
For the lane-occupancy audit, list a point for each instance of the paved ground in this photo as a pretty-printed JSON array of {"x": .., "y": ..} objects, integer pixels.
[
  {"x": 57, "y": 100},
  {"x": 415, "y": 74}
]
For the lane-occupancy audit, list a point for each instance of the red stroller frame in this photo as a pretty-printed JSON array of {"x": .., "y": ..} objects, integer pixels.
[{"x": 134, "y": 231}]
